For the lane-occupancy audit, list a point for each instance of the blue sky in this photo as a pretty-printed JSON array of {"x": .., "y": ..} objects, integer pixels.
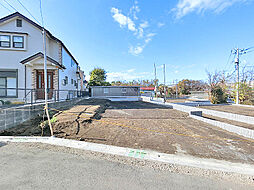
[{"x": 126, "y": 37}]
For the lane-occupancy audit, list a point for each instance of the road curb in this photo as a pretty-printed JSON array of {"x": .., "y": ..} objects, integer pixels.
[{"x": 183, "y": 160}]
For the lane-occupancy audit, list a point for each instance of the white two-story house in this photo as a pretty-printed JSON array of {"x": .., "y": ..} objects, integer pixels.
[{"x": 21, "y": 63}]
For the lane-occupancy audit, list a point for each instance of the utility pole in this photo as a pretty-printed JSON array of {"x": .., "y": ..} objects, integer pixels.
[
  {"x": 164, "y": 71},
  {"x": 46, "y": 80},
  {"x": 237, "y": 75},
  {"x": 155, "y": 80},
  {"x": 239, "y": 52},
  {"x": 176, "y": 89}
]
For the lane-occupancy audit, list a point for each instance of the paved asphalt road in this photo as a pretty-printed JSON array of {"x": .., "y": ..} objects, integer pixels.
[{"x": 25, "y": 167}]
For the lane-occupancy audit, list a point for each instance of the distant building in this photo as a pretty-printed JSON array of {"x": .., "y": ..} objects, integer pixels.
[
  {"x": 115, "y": 91},
  {"x": 147, "y": 91}
]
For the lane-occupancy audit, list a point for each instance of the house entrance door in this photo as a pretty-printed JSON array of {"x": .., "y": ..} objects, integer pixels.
[{"x": 40, "y": 92}]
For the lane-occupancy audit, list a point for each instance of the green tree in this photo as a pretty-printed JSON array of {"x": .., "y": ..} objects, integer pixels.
[
  {"x": 218, "y": 95},
  {"x": 98, "y": 77}
]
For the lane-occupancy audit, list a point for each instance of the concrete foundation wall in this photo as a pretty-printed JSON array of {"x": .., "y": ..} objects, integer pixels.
[{"x": 11, "y": 117}]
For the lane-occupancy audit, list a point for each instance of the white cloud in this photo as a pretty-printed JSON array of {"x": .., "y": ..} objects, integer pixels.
[
  {"x": 136, "y": 50},
  {"x": 185, "y": 7},
  {"x": 131, "y": 70},
  {"x": 144, "y": 24},
  {"x": 122, "y": 19},
  {"x": 139, "y": 29},
  {"x": 150, "y": 35},
  {"x": 160, "y": 24},
  {"x": 134, "y": 10}
]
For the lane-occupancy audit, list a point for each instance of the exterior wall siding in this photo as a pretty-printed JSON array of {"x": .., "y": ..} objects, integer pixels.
[
  {"x": 70, "y": 72},
  {"x": 10, "y": 59}
]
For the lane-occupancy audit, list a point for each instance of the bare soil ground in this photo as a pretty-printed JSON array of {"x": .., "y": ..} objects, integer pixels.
[
  {"x": 240, "y": 124},
  {"x": 148, "y": 126},
  {"x": 249, "y": 111}
]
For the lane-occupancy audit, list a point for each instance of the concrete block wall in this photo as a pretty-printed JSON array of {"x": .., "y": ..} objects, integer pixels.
[{"x": 11, "y": 117}]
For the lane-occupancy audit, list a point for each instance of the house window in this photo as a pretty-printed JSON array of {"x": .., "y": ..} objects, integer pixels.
[
  {"x": 8, "y": 83},
  {"x": 19, "y": 23},
  {"x": 5, "y": 41},
  {"x": 71, "y": 81},
  {"x": 66, "y": 80},
  {"x": 124, "y": 90},
  {"x": 18, "y": 41},
  {"x": 106, "y": 90}
]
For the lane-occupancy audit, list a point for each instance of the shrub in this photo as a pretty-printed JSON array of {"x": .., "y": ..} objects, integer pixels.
[{"x": 218, "y": 95}]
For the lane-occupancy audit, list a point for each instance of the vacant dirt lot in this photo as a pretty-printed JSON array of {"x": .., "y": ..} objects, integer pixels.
[
  {"x": 148, "y": 126},
  {"x": 232, "y": 109}
]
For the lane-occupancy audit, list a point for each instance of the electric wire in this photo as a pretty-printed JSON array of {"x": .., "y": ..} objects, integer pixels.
[
  {"x": 228, "y": 60},
  {"x": 11, "y": 6},
  {"x": 28, "y": 11},
  {"x": 5, "y": 7}
]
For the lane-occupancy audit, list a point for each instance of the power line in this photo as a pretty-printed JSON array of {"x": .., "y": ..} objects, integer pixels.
[
  {"x": 249, "y": 48},
  {"x": 5, "y": 7},
  {"x": 11, "y": 6},
  {"x": 228, "y": 59},
  {"x": 28, "y": 11}
]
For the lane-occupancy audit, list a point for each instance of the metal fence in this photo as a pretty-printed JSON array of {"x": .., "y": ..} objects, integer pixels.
[{"x": 31, "y": 96}]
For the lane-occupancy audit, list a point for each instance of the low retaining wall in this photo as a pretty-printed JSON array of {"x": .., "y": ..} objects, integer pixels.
[
  {"x": 188, "y": 109},
  {"x": 231, "y": 128},
  {"x": 11, "y": 117},
  {"x": 230, "y": 116},
  {"x": 196, "y": 113}
]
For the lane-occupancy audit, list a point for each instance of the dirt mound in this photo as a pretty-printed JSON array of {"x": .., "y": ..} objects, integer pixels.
[{"x": 68, "y": 122}]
